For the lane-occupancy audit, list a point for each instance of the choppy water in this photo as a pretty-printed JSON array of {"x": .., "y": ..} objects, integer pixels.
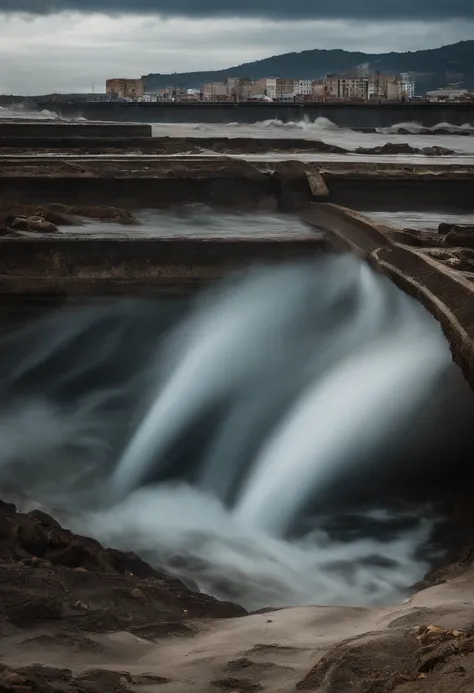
[{"x": 321, "y": 129}]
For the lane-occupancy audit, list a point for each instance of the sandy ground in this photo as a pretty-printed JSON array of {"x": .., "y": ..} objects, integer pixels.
[{"x": 275, "y": 651}]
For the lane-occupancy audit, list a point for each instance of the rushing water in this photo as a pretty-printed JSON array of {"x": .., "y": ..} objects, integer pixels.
[
  {"x": 196, "y": 221},
  {"x": 259, "y": 440},
  {"x": 324, "y": 129}
]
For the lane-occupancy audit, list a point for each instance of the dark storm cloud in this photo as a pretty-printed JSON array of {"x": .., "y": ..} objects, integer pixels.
[{"x": 275, "y": 9}]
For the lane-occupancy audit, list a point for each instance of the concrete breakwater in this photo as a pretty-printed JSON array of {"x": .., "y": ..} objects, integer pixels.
[
  {"x": 56, "y": 130},
  {"x": 344, "y": 115}
]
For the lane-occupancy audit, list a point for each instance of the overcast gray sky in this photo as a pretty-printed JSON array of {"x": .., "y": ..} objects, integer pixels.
[{"x": 68, "y": 45}]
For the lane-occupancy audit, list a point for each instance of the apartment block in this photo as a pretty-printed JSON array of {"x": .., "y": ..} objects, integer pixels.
[
  {"x": 215, "y": 91},
  {"x": 303, "y": 87},
  {"x": 123, "y": 88},
  {"x": 267, "y": 86},
  {"x": 354, "y": 89}
]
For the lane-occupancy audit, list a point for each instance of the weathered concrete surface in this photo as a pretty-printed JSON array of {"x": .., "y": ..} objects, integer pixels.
[
  {"x": 446, "y": 292},
  {"x": 232, "y": 183},
  {"x": 35, "y": 129},
  {"x": 74, "y": 266},
  {"x": 219, "y": 182},
  {"x": 381, "y": 187}
]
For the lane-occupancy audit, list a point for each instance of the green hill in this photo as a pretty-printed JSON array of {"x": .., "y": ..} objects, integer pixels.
[{"x": 434, "y": 68}]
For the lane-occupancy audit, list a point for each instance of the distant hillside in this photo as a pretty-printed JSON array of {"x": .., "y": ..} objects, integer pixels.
[{"x": 435, "y": 67}]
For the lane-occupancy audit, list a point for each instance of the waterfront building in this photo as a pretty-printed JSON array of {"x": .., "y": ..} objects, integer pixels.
[
  {"x": 124, "y": 88},
  {"x": 215, "y": 91}
]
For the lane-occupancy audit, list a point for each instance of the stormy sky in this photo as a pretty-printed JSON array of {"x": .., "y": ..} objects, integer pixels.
[{"x": 71, "y": 45}]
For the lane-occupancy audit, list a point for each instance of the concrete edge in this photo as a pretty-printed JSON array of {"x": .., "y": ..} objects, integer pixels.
[{"x": 446, "y": 294}]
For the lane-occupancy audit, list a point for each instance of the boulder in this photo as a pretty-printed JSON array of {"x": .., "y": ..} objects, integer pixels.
[
  {"x": 32, "y": 224},
  {"x": 40, "y": 225},
  {"x": 404, "y": 148},
  {"x": 437, "y": 151},
  {"x": 48, "y": 573},
  {"x": 17, "y": 223},
  {"x": 460, "y": 237}
]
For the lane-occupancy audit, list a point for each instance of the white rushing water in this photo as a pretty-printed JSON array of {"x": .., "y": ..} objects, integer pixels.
[
  {"x": 207, "y": 441},
  {"x": 324, "y": 129}
]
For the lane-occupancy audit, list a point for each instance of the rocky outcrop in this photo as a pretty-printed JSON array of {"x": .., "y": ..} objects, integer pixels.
[
  {"x": 430, "y": 658},
  {"x": 49, "y": 573},
  {"x": 42, "y": 679},
  {"x": 33, "y": 224},
  {"x": 458, "y": 132},
  {"x": 47, "y": 218},
  {"x": 403, "y": 148}
]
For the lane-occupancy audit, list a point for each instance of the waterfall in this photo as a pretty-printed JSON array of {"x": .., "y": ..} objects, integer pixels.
[{"x": 208, "y": 438}]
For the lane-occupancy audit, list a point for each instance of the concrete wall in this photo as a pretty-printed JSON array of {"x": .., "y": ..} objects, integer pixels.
[
  {"x": 344, "y": 115},
  {"x": 75, "y": 266},
  {"x": 445, "y": 292},
  {"x": 233, "y": 193},
  {"x": 53, "y": 130}
]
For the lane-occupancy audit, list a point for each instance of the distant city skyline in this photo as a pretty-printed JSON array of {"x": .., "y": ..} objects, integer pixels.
[{"x": 70, "y": 51}]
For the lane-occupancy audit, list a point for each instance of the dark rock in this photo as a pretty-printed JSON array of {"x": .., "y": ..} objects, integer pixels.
[
  {"x": 58, "y": 218},
  {"x": 17, "y": 223},
  {"x": 32, "y": 537},
  {"x": 40, "y": 225},
  {"x": 404, "y": 148},
  {"x": 437, "y": 151},
  {"x": 237, "y": 685},
  {"x": 444, "y": 228},
  {"x": 45, "y": 679},
  {"x": 99, "y": 212},
  {"x": 7, "y": 508},
  {"x": 459, "y": 237},
  {"x": 32, "y": 609},
  {"x": 44, "y": 518},
  {"x": 32, "y": 224},
  {"x": 47, "y": 572},
  {"x": 365, "y": 664}
]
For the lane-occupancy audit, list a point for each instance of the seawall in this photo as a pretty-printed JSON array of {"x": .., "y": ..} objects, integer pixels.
[{"x": 343, "y": 115}]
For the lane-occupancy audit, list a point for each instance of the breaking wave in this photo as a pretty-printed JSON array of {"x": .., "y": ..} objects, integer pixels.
[
  {"x": 16, "y": 113},
  {"x": 320, "y": 124},
  {"x": 417, "y": 128},
  {"x": 258, "y": 440}
]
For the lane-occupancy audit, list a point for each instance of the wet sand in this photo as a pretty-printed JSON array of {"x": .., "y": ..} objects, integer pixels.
[{"x": 278, "y": 650}]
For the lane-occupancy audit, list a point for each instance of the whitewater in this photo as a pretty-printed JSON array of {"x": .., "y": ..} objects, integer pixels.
[
  {"x": 257, "y": 439},
  {"x": 329, "y": 132},
  {"x": 318, "y": 129}
]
